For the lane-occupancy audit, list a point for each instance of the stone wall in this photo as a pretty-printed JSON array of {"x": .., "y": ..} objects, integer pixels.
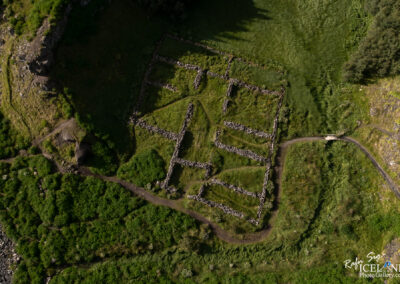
[
  {"x": 225, "y": 209},
  {"x": 234, "y": 188},
  {"x": 178, "y": 145},
  {"x": 248, "y": 130},
  {"x": 241, "y": 152},
  {"x": 154, "y": 129}
]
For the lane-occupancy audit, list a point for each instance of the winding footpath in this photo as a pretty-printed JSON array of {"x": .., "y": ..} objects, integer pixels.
[
  {"x": 222, "y": 234},
  {"x": 248, "y": 238}
]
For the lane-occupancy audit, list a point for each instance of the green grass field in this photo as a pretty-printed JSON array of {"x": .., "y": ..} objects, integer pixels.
[{"x": 333, "y": 204}]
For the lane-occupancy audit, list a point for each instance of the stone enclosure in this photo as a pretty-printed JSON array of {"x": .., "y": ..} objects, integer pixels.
[{"x": 232, "y": 84}]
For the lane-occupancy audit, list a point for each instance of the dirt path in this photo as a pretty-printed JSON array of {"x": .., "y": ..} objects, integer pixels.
[
  {"x": 141, "y": 192},
  {"x": 219, "y": 232},
  {"x": 58, "y": 128},
  {"x": 384, "y": 174}
]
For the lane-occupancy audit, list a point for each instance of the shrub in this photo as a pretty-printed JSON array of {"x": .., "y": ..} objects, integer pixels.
[
  {"x": 10, "y": 141},
  {"x": 143, "y": 168},
  {"x": 379, "y": 53}
]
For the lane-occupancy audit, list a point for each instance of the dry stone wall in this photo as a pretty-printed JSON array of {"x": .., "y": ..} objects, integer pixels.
[
  {"x": 178, "y": 145},
  {"x": 178, "y": 137},
  {"x": 241, "y": 152},
  {"x": 234, "y": 188},
  {"x": 167, "y": 134},
  {"x": 248, "y": 130},
  {"x": 225, "y": 209},
  {"x": 163, "y": 85}
]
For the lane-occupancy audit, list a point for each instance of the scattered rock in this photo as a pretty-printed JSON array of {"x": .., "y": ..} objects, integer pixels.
[{"x": 8, "y": 258}]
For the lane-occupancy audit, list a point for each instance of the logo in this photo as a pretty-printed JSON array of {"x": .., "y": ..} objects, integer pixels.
[{"x": 375, "y": 266}]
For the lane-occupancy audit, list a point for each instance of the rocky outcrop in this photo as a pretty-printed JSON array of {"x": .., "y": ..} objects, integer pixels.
[
  {"x": 39, "y": 53},
  {"x": 8, "y": 257}
]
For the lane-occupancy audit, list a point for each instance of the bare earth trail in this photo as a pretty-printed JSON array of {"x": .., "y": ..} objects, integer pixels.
[
  {"x": 250, "y": 237},
  {"x": 224, "y": 235}
]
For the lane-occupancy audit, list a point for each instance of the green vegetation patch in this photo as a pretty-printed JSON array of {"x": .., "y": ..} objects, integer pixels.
[
  {"x": 265, "y": 77},
  {"x": 157, "y": 97},
  {"x": 143, "y": 168},
  {"x": 10, "y": 141},
  {"x": 191, "y": 54},
  {"x": 253, "y": 109},
  {"x": 377, "y": 54},
  {"x": 239, "y": 202},
  {"x": 27, "y": 16},
  {"x": 58, "y": 221},
  {"x": 183, "y": 177},
  {"x": 171, "y": 117},
  {"x": 301, "y": 188},
  {"x": 250, "y": 178},
  {"x": 229, "y": 137},
  {"x": 146, "y": 141},
  {"x": 180, "y": 78}
]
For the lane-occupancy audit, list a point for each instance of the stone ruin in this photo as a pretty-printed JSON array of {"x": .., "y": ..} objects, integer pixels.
[{"x": 178, "y": 137}]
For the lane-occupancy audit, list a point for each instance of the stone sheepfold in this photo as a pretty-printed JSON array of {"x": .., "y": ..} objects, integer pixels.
[{"x": 178, "y": 137}]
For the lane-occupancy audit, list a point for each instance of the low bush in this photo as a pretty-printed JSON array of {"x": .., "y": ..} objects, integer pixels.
[{"x": 143, "y": 168}]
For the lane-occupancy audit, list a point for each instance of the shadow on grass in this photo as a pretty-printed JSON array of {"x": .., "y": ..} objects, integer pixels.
[{"x": 106, "y": 50}]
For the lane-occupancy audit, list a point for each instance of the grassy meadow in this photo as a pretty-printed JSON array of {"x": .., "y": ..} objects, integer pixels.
[{"x": 332, "y": 205}]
